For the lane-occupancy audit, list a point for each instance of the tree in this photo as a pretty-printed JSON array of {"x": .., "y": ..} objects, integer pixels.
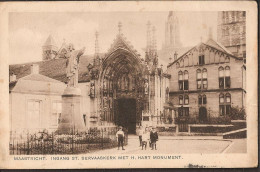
[{"x": 237, "y": 113}]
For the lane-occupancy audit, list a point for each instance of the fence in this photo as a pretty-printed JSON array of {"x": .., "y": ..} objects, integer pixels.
[{"x": 44, "y": 142}]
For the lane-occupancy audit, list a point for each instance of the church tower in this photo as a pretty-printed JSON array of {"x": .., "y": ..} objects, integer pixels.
[
  {"x": 232, "y": 31},
  {"x": 49, "y": 49},
  {"x": 172, "y": 32}
]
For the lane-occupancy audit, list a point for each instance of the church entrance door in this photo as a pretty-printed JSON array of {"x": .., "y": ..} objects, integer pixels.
[{"x": 127, "y": 114}]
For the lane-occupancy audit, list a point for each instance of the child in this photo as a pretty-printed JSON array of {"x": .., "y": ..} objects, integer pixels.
[
  {"x": 153, "y": 138},
  {"x": 145, "y": 138},
  {"x": 120, "y": 138}
]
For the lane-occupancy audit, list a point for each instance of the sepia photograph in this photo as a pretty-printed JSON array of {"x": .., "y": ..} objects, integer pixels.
[{"x": 153, "y": 84}]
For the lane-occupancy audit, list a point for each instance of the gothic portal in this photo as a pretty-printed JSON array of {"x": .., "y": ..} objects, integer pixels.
[{"x": 124, "y": 87}]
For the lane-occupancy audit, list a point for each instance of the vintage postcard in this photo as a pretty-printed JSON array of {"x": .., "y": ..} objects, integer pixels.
[{"x": 128, "y": 84}]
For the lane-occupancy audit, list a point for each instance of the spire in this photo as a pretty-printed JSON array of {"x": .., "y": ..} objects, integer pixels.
[
  {"x": 119, "y": 28},
  {"x": 210, "y": 33},
  {"x": 148, "y": 46},
  {"x": 96, "y": 44},
  {"x": 154, "y": 42},
  {"x": 50, "y": 41}
]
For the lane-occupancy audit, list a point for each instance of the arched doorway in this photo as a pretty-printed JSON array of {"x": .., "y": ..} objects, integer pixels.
[
  {"x": 121, "y": 83},
  {"x": 203, "y": 114}
]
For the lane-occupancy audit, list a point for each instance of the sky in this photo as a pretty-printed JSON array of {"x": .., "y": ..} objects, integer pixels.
[{"x": 29, "y": 31}]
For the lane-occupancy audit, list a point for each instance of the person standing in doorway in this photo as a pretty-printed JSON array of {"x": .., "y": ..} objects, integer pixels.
[
  {"x": 153, "y": 138},
  {"x": 120, "y": 138}
]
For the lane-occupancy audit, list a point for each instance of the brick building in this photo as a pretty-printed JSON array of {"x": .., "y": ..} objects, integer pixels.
[{"x": 206, "y": 82}]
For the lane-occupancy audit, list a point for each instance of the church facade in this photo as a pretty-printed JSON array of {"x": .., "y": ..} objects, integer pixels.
[
  {"x": 122, "y": 88},
  {"x": 119, "y": 88}
]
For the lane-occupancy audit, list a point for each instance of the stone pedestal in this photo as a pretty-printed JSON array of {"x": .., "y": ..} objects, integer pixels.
[{"x": 71, "y": 118}]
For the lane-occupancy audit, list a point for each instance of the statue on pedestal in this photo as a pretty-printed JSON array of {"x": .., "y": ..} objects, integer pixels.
[{"x": 72, "y": 64}]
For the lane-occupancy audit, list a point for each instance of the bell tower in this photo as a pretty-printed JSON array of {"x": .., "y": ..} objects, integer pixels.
[
  {"x": 172, "y": 31},
  {"x": 49, "y": 49}
]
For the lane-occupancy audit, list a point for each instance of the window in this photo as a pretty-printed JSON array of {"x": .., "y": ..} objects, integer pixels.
[
  {"x": 183, "y": 80},
  {"x": 180, "y": 100},
  {"x": 202, "y": 99},
  {"x": 204, "y": 78},
  {"x": 227, "y": 77},
  {"x": 221, "y": 77},
  {"x": 224, "y": 77},
  {"x": 183, "y": 111},
  {"x": 224, "y": 104},
  {"x": 186, "y": 99},
  {"x": 186, "y": 80},
  {"x": 201, "y": 60},
  {"x": 180, "y": 80},
  {"x": 56, "y": 113},
  {"x": 33, "y": 118},
  {"x": 221, "y": 98},
  {"x": 198, "y": 79}
]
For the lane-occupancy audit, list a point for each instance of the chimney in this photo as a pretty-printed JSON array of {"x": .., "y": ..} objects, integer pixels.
[
  {"x": 175, "y": 55},
  {"x": 34, "y": 69},
  {"x": 12, "y": 77}
]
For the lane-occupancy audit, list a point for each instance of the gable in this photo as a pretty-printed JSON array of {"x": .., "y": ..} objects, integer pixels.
[
  {"x": 121, "y": 43},
  {"x": 212, "y": 54}
]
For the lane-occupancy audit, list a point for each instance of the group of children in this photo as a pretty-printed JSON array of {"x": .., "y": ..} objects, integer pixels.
[{"x": 146, "y": 136}]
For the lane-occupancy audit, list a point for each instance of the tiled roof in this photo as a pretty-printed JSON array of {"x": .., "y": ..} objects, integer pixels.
[{"x": 55, "y": 69}]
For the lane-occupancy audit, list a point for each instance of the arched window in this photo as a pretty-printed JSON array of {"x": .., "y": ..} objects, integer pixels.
[
  {"x": 199, "y": 79},
  {"x": 228, "y": 103},
  {"x": 204, "y": 78},
  {"x": 186, "y": 99},
  {"x": 225, "y": 104},
  {"x": 180, "y": 76},
  {"x": 221, "y": 98},
  {"x": 221, "y": 77},
  {"x": 200, "y": 99},
  {"x": 227, "y": 77},
  {"x": 186, "y": 80},
  {"x": 180, "y": 99},
  {"x": 228, "y": 98},
  {"x": 204, "y": 99}
]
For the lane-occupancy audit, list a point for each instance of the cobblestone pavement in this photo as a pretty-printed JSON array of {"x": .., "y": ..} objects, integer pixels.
[{"x": 183, "y": 145}]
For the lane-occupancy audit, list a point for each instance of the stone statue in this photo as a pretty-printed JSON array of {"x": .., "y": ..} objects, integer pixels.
[{"x": 72, "y": 64}]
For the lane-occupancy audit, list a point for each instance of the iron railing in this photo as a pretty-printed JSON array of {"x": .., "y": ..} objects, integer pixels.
[{"x": 44, "y": 142}]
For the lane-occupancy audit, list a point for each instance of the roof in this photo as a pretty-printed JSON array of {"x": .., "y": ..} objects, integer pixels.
[
  {"x": 50, "y": 41},
  {"x": 211, "y": 43},
  {"x": 54, "y": 68},
  {"x": 217, "y": 45},
  {"x": 121, "y": 42},
  {"x": 37, "y": 83}
]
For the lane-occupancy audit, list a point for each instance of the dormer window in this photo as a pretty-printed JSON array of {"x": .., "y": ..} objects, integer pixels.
[{"x": 201, "y": 60}]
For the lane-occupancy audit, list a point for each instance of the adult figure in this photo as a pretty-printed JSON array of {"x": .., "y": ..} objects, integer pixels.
[
  {"x": 120, "y": 138},
  {"x": 72, "y": 64},
  {"x": 153, "y": 138},
  {"x": 140, "y": 133}
]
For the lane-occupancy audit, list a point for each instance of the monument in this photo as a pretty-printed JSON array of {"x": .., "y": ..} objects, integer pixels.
[{"x": 71, "y": 118}]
